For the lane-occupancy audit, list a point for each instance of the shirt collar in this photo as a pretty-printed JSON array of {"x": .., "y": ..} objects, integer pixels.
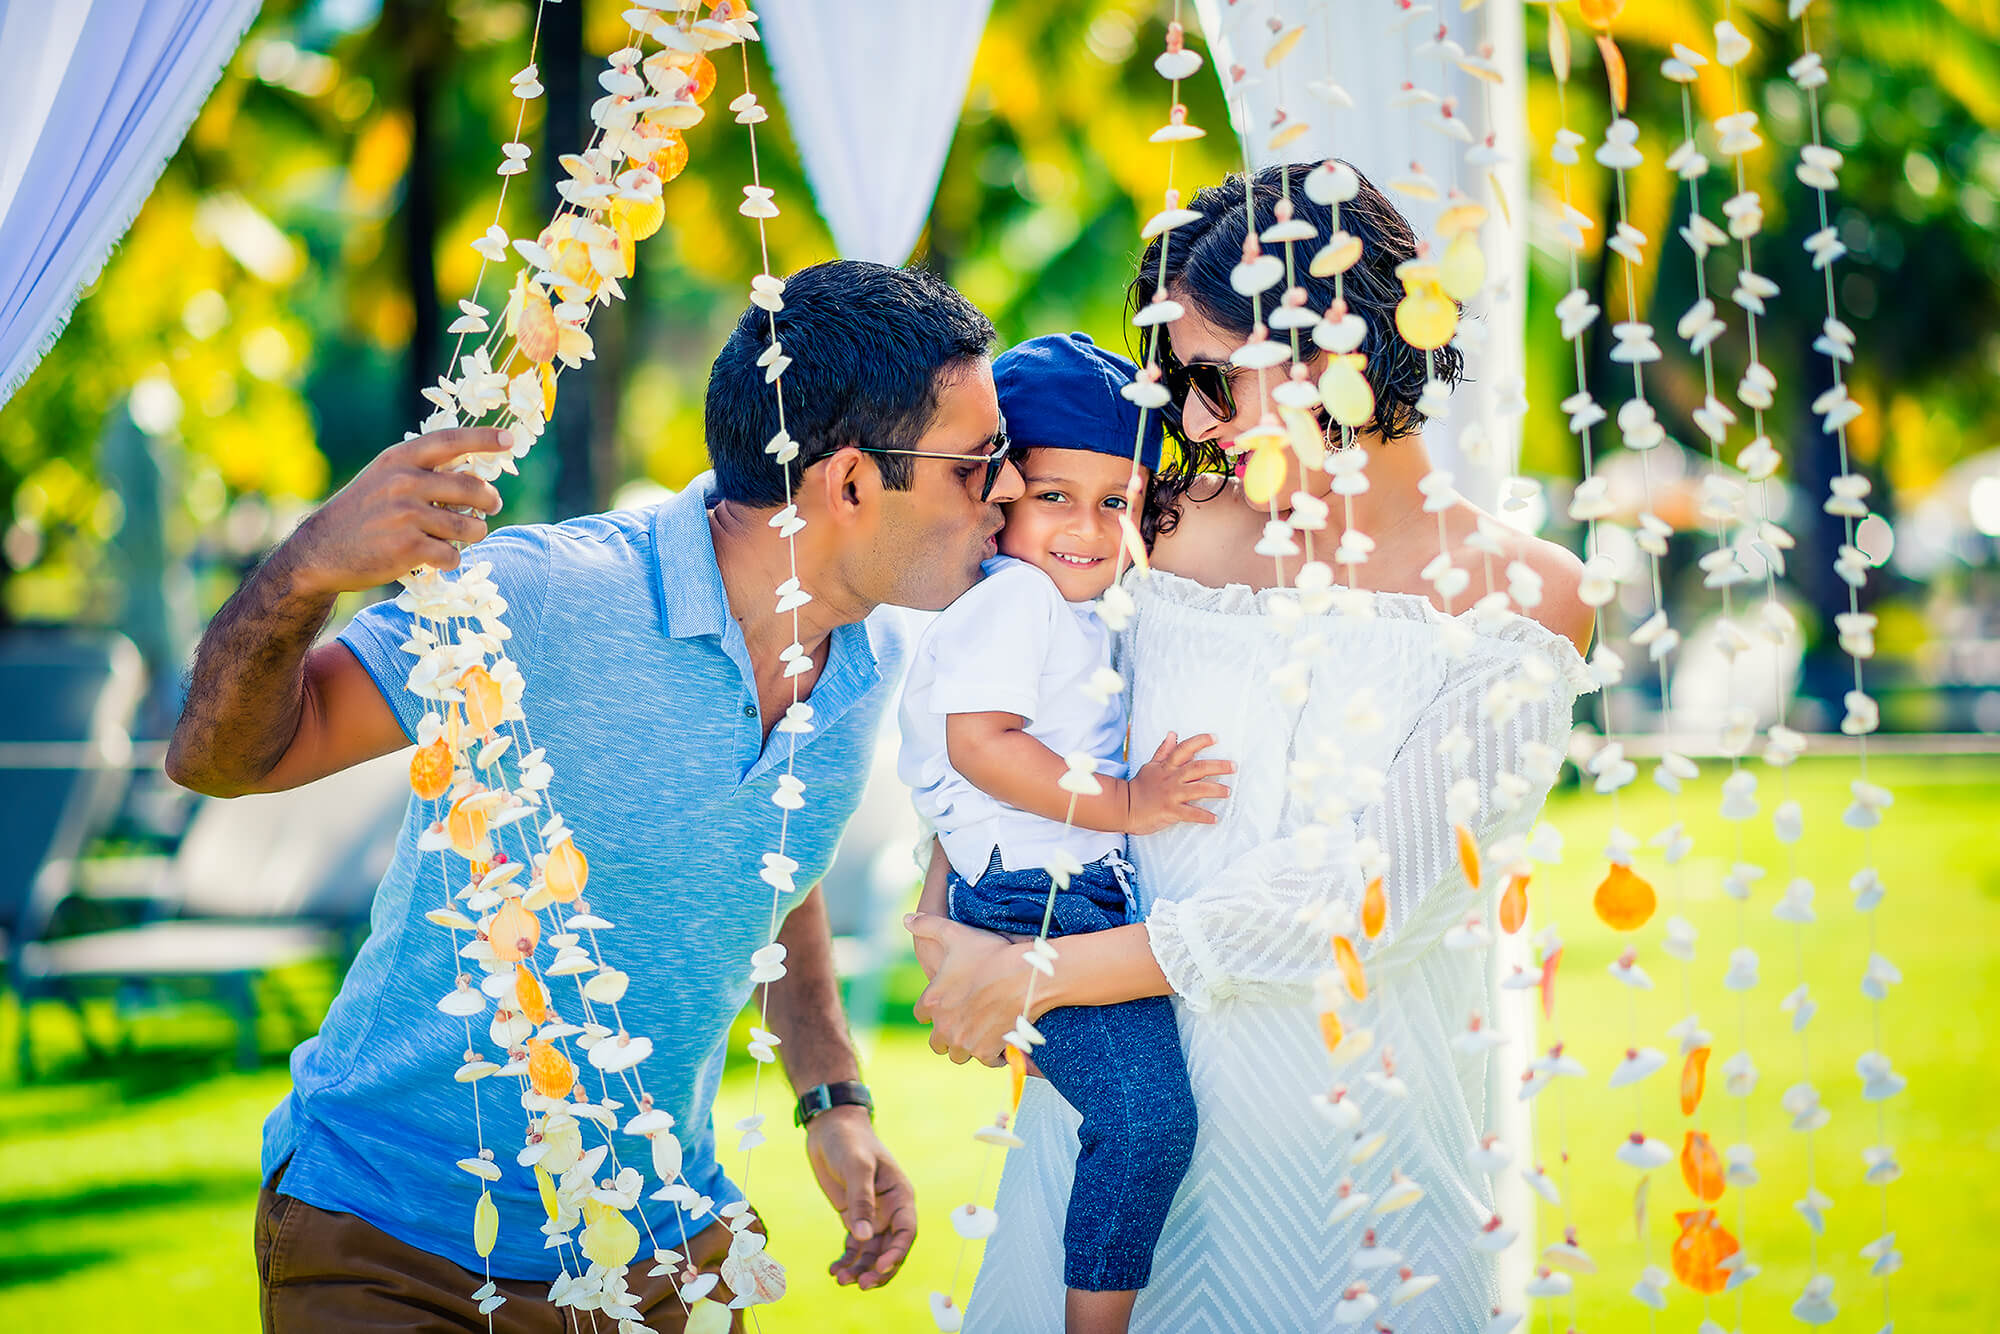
[
  {"x": 692, "y": 600},
  {"x": 694, "y": 603}
]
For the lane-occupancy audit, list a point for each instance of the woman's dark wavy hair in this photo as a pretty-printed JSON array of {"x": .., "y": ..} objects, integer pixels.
[{"x": 1200, "y": 255}]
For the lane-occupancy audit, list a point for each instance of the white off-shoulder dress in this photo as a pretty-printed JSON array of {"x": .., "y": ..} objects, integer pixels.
[{"x": 1358, "y": 733}]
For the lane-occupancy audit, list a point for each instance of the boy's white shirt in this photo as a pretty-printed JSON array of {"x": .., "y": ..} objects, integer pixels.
[{"x": 1010, "y": 644}]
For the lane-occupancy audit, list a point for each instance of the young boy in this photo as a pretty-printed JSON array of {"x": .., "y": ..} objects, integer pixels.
[{"x": 1004, "y": 685}]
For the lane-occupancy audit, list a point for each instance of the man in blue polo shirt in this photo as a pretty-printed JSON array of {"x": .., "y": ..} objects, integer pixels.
[{"x": 652, "y": 653}]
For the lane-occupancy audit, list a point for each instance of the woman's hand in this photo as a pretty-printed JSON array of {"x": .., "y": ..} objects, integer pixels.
[{"x": 979, "y": 983}]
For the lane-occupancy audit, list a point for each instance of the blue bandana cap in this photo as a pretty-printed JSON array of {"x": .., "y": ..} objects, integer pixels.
[{"x": 1060, "y": 391}]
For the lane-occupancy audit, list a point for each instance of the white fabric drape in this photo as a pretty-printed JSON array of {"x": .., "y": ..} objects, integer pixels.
[
  {"x": 1352, "y": 46},
  {"x": 872, "y": 89},
  {"x": 95, "y": 96}
]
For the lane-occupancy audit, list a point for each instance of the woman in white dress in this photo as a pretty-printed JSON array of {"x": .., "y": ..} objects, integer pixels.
[{"x": 1365, "y": 726}]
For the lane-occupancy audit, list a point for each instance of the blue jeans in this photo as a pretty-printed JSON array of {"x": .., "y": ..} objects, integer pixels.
[{"x": 1119, "y": 1065}]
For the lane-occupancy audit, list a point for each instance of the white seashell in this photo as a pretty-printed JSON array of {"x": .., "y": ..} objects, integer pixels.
[
  {"x": 620, "y": 1054},
  {"x": 974, "y": 1223},
  {"x": 1637, "y": 1065}
]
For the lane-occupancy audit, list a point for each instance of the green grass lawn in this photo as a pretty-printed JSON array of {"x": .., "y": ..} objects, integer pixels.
[{"x": 127, "y": 1186}]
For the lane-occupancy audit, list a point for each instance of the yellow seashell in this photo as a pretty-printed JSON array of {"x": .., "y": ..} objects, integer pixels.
[
  {"x": 1303, "y": 433},
  {"x": 546, "y": 1184},
  {"x": 1283, "y": 46},
  {"x": 1287, "y": 135},
  {"x": 485, "y": 1224},
  {"x": 1462, "y": 272},
  {"x": 1345, "y": 390},
  {"x": 1341, "y": 252},
  {"x": 1265, "y": 474},
  {"x": 710, "y": 1317},
  {"x": 564, "y": 1141},
  {"x": 611, "y": 1240},
  {"x": 641, "y": 218},
  {"x": 1426, "y": 317}
]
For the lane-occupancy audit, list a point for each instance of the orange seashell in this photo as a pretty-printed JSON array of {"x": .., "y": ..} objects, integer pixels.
[
  {"x": 548, "y": 391},
  {"x": 1374, "y": 909},
  {"x": 1468, "y": 854},
  {"x": 513, "y": 931},
  {"x": 1624, "y": 900},
  {"x": 1017, "y": 1073},
  {"x": 535, "y": 328},
  {"x": 430, "y": 770},
  {"x": 1694, "y": 1079},
  {"x": 1331, "y": 1030},
  {"x": 549, "y": 1071},
  {"x": 566, "y": 871},
  {"x": 1599, "y": 13},
  {"x": 1699, "y": 1251},
  {"x": 1548, "y": 983},
  {"x": 1614, "y": 70},
  {"x": 483, "y": 701},
  {"x": 670, "y": 156},
  {"x": 467, "y": 827},
  {"x": 1514, "y": 903},
  {"x": 698, "y": 67},
  {"x": 1350, "y": 967},
  {"x": 528, "y": 991},
  {"x": 1701, "y": 1167}
]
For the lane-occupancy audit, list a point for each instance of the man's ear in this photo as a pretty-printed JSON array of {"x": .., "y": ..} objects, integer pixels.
[{"x": 847, "y": 483}]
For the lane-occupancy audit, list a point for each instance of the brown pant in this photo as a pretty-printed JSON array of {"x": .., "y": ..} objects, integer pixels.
[{"x": 323, "y": 1271}]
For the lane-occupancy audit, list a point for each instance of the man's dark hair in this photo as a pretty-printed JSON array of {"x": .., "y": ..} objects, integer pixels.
[
  {"x": 870, "y": 347},
  {"x": 1200, "y": 256}
]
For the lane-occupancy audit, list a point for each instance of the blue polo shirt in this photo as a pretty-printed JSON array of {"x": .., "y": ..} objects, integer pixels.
[{"x": 640, "y": 689}]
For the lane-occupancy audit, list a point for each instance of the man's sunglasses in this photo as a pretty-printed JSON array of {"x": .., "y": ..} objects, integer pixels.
[{"x": 994, "y": 460}]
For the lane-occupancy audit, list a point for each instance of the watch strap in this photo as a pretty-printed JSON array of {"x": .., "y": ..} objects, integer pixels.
[{"x": 825, "y": 1097}]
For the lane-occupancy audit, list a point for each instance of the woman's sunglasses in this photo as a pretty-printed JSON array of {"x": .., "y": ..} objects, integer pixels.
[{"x": 1208, "y": 380}]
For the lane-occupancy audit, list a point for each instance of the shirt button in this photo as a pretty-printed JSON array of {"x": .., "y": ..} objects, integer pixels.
[{"x": 749, "y": 710}]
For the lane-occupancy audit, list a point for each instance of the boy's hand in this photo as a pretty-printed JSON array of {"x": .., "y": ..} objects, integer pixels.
[{"x": 1166, "y": 788}]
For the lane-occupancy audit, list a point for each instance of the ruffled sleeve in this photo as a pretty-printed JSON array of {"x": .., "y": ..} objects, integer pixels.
[{"x": 1496, "y": 729}]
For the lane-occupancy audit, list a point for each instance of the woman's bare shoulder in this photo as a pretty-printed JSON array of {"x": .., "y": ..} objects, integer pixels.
[{"x": 1561, "y": 608}]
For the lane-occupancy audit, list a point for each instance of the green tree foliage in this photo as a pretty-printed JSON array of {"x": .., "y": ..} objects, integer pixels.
[{"x": 262, "y": 306}]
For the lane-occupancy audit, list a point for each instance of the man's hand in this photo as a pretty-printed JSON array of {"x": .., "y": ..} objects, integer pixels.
[
  {"x": 264, "y": 710},
  {"x": 978, "y": 986},
  {"x": 869, "y": 1191},
  {"x": 395, "y": 515},
  {"x": 1166, "y": 787}
]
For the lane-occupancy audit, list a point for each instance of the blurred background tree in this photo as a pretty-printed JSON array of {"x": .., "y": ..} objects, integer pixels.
[{"x": 262, "y": 331}]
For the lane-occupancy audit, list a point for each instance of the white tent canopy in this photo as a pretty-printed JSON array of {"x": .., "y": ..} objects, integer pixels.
[
  {"x": 95, "y": 96},
  {"x": 873, "y": 90}
]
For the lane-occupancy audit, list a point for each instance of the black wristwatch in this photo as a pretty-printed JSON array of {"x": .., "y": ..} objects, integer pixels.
[{"x": 825, "y": 1097}]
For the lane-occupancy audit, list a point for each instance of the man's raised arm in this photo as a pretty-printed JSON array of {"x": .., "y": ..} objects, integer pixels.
[{"x": 265, "y": 709}]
